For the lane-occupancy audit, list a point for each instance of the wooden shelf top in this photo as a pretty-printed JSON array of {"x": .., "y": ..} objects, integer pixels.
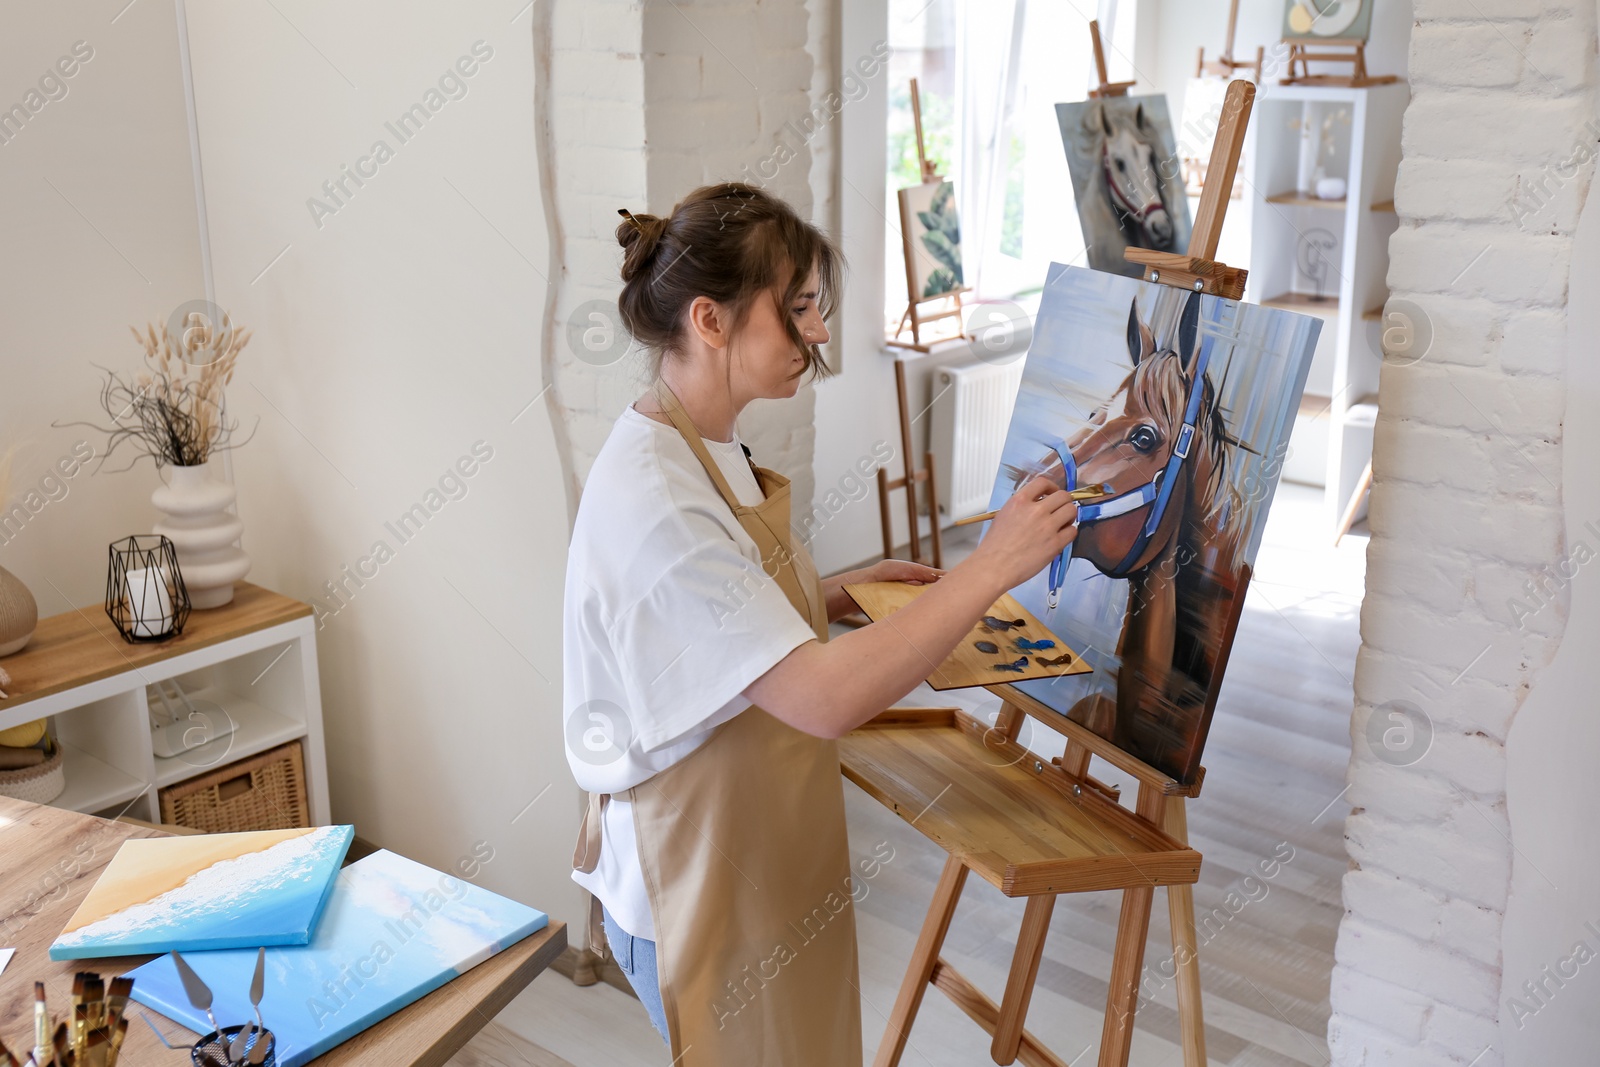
[
  {"x": 1383, "y": 205},
  {"x": 1303, "y": 302},
  {"x": 83, "y": 645},
  {"x": 1304, "y": 198},
  {"x": 1002, "y": 811}
]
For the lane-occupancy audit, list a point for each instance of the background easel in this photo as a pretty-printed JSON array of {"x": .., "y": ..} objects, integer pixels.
[
  {"x": 1302, "y": 56},
  {"x": 1038, "y": 830},
  {"x": 909, "y": 482},
  {"x": 1107, "y": 88},
  {"x": 945, "y": 305},
  {"x": 1225, "y": 64}
]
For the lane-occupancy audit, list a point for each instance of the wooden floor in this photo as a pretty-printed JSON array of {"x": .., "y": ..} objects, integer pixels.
[{"x": 1275, "y": 778}]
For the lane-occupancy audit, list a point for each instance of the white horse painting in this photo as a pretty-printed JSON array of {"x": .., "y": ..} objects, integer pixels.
[{"x": 1126, "y": 178}]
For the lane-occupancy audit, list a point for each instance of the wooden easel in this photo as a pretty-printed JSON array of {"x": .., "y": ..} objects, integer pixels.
[
  {"x": 1225, "y": 64},
  {"x": 1107, "y": 88},
  {"x": 1038, "y": 830},
  {"x": 945, "y": 305},
  {"x": 1301, "y": 54},
  {"x": 909, "y": 482}
]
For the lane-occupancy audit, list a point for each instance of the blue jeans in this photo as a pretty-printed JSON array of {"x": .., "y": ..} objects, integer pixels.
[{"x": 637, "y": 958}]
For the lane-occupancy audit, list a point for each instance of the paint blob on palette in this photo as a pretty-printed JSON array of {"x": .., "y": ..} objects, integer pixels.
[
  {"x": 393, "y": 932},
  {"x": 208, "y": 891}
]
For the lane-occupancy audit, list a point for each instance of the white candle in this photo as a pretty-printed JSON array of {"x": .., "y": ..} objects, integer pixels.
[{"x": 149, "y": 606}]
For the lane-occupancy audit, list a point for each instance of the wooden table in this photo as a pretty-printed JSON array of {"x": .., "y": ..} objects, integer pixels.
[{"x": 49, "y": 859}]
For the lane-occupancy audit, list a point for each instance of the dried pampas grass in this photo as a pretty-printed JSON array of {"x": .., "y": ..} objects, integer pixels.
[{"x": 173, "y": 408}]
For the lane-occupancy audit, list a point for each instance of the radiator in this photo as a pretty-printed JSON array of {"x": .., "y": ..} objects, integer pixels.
[{"x": 971, "y": 414}]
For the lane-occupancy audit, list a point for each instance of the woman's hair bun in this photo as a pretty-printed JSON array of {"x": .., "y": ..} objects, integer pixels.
[{"x": 640, "y": 236}]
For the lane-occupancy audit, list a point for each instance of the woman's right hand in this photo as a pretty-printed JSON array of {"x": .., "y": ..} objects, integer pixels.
[{"x": 1029, "y": 531}]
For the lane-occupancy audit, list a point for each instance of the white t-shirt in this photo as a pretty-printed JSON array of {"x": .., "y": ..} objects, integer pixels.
[{"x": 668, "y": 617}]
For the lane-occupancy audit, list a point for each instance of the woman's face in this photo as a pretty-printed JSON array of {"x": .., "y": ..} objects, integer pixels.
[{"x": 763, "y": 353}]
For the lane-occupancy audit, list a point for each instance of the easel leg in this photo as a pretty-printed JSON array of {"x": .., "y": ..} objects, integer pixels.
[
  {"x": 1019, "y": 984},
  {"x": 923, "y": 957},
  {"x": 1127, "y": 963},
  {"x": 1185, "y": 957}
]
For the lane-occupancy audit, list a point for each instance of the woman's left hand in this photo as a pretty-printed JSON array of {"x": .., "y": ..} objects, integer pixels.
[{"x": 900, "y": 570}]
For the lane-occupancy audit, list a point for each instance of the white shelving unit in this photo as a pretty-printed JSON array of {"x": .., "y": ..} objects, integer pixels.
[
  {"x": 1293, "y": 234},
  {"x": 265, "y": 679}
]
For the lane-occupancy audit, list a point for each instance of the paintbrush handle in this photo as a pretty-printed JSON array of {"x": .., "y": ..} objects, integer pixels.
[{"x": 1088, "y": 492}]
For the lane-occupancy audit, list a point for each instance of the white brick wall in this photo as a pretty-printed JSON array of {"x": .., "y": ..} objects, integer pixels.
[
  {"x": 1465, "y": 510},
  {"x": 646, "y": 102}
]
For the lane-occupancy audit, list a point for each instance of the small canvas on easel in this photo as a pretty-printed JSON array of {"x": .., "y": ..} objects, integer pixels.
[
  {"x": 1126, "y": 178},
  {"x": 1183, "y": 403},
  {"x": 931, "y": 228},
  {"x": 1314, "y": 20}
]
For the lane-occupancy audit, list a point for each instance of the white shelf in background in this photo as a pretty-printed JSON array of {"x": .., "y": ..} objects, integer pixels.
[{"x": 93, "y": 784}]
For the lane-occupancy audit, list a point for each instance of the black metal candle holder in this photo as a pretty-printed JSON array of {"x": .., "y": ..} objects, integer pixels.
[{"x": 138, "y": 613}]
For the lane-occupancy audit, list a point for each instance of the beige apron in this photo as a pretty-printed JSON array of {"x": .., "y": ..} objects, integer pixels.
[{"x": 746, "y": 861}]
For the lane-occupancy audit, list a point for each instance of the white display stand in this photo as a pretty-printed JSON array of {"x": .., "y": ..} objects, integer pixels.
[
  {"x": 1289, "y": 227},
  {"x": 266, "y": 679}
]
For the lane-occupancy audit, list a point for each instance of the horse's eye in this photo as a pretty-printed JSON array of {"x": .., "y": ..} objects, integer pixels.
[
  {"x": 1144, "y": 439},
  {"x": 1122, "y": 167}
]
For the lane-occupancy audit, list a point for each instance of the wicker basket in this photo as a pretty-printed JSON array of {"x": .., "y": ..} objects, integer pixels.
[
  {"x": 264, "y": 792},
  {"x": 39, "y": 784}
]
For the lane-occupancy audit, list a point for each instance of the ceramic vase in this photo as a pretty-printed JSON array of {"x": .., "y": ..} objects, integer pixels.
[
  {"x": 203, "y": 533},
  {"x": 19, "y": 614}
]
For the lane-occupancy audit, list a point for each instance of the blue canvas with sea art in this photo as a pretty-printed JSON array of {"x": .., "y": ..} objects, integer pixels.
[
  {"x": 206, "y": 891},
  {"x": 394, "y": 931},
  {"x": 1183, "y": 403}
]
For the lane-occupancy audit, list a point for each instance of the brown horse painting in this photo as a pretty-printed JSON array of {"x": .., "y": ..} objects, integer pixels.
[{"x": 1171, "y": 528}]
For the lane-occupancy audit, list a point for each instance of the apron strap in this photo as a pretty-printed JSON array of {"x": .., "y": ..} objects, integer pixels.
[{"x": 680, "y": 419}]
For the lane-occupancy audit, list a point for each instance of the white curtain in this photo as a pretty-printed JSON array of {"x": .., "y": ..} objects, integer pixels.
[{"x": 988, "y": 65}]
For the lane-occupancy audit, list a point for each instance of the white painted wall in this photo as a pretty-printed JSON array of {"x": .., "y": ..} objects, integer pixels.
[
  {"x": 393, "y": 337},
  {"x": 100, "y": 233},
  {"x": 1552, "y": 791}
]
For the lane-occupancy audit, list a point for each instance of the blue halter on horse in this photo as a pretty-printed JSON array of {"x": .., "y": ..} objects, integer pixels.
[{"x": 1157, "y": 491}]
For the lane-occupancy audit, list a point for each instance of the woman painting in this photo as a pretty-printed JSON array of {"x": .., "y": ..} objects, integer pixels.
[{"x": 703, "y": 695}]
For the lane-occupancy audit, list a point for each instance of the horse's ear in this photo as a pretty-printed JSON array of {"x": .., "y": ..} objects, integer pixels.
[
  {"x": 1141, "y": 342},
  {"x": 1189, "y": 332},
  {"x": 1139, "y": 119},
  {"x": 1105, "y": 118}
]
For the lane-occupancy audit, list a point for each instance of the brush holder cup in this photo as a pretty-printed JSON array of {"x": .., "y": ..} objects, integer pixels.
[{"x": 213, "y": 1048}]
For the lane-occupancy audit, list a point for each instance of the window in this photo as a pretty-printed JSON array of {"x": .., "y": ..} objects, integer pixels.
[{"x": 990, "y": 73}]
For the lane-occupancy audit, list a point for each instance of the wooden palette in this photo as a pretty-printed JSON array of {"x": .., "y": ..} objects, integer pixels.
[{"x": 967, "y": 666}]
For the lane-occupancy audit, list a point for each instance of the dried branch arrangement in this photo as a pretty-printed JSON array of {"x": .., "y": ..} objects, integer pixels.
[{"x": 172, "y": 410}]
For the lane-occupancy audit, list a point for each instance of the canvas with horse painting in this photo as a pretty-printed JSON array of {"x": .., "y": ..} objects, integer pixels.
[
  {"x": 1126, "y": 177},
  {"x": 1183, "y": 403}
]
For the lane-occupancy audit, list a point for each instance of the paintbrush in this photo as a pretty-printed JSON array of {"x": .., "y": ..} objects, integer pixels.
[
  {"x": 198, "y": 992},
  {"x": 41, "y": 1026},
  {"x": 119, "y": 1034},
  {"x": 62, "y": 1046},
  {"x": 1079, "y": 495},
  {"x": 117, "y": 1000}
]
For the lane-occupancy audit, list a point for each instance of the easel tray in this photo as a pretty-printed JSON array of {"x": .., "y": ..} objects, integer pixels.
[
  {"x": 1005, "y": 812},
  {"x": 969, "y": 665}
]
